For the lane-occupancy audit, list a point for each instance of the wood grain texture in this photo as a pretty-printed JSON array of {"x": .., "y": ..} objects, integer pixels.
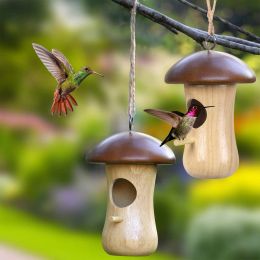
[
  {"x": 214, "y": 153},
  {"x": 136, "y": 234}
]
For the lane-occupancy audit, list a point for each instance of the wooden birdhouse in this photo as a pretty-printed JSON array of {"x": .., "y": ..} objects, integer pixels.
[
  {"x": 131, "y": 160},
  {"x": 210, "y": 78}
]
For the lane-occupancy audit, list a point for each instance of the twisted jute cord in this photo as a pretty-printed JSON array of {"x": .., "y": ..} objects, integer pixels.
[
  {"x": 210, "y": 16},
  {"x": 131, "y": 100},
  {"x": 211, "y": 31}
]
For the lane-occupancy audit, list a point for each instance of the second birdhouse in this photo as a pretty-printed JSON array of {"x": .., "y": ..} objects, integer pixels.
[
  {"x": 210, "y": 77},
  {"x": 131, "y": 160}
]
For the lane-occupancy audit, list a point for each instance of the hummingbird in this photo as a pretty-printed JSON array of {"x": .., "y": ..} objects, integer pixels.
[
  {"x": 68, "y": 80},
  {"x": 181, "y": 123}
]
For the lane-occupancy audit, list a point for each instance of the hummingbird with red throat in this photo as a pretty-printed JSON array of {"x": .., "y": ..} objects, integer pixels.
[
  {"x": 181, "y": 123},
  {"x": 68, "y": 80}
]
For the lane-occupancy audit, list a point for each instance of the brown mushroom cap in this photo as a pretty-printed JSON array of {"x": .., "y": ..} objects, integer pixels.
[
  {"x": 131, "y": 148},
  {"x": 210, "y": 67}
]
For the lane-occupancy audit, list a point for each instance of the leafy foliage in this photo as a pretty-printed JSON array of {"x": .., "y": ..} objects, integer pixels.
[
  {"x": 20, "y": 19},
  {"x": 224, "y": 233},
  {"x": 38, "y": 164}
]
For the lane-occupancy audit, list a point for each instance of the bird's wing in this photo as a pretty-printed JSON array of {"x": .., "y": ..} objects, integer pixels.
[
  {"x": 53, "y": 65},
  {"x": 171, "y": 118},
  {"x": 61, "y": 57}
]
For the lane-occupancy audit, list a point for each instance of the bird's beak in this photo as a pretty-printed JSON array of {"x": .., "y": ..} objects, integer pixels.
[
  {"x": 209, "y": 106},
  {"x": 94, "y": 72}
]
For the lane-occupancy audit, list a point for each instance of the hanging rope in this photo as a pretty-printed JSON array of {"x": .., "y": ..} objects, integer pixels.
[
  {"x": 211, "y": 31},
  {"x": 131, "y": 100},
  {"x": 210, "y": 16}
]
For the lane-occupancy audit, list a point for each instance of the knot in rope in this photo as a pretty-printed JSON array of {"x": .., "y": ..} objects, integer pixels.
[{"x": 211, "y": 30}]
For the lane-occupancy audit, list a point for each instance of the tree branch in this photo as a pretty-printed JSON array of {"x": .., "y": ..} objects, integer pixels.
[
  {"x": 217, "y": 18},
  {"x": 234, "y": 39},
  {"x": 197, "y": 35}
]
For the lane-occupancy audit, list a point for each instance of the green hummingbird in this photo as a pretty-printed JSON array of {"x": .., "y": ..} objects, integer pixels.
[
  {"x": 68, "y": 80},
  {"x": 181, "y": 123}
]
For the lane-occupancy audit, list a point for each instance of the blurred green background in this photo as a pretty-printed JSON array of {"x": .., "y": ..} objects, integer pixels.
[{"x": 52, "y": 203}]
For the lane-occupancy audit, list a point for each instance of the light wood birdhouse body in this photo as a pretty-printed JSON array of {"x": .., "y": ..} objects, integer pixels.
[
  {"x": 131, "y": 160},
  {"x": 210, "y": 78}
]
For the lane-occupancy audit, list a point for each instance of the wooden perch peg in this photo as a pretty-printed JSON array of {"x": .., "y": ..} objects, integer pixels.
[
  {"x": 210, "y": 77},
  {"x": 131, "y": 160},
  {"x": 183, "y": 142},
  {"x": 116, "y": 219}
]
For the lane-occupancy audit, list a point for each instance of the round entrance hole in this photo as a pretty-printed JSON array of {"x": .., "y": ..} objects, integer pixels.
[
  {"x": 202, "y": 112},
  {"x": 123, "y": 193}
]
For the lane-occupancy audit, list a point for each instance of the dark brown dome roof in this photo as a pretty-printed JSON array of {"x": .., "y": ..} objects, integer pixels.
[
  {"x": 131, "y": 148},
  {"x": 212, "y": 67}
]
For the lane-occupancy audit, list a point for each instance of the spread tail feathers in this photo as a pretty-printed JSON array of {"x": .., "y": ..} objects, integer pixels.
[
  {"x": 168, "y": 138},
  {"x": 61, "y": 104}
]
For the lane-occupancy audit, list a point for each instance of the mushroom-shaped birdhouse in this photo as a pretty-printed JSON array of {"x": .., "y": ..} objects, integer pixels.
[
  {"x": 210, "y": 78},
  {"x": 131, "y": 159}
]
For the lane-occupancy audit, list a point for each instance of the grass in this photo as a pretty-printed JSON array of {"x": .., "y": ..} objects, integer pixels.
[{"x": 28, "y": 233}]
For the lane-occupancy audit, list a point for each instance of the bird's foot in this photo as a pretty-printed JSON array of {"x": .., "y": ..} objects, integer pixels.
[{"x": 62, "y": 103}]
